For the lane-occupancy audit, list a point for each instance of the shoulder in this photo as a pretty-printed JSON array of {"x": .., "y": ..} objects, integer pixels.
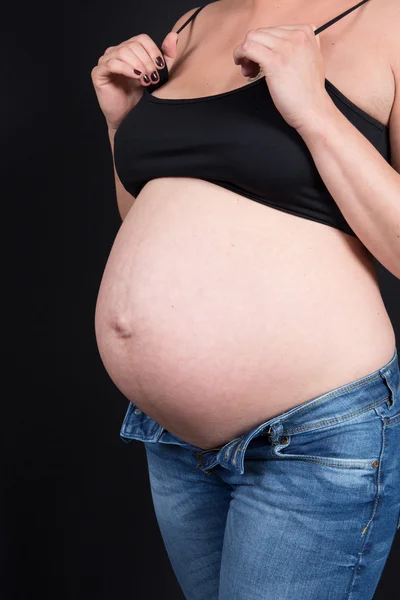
[
  {"x": 385, "y": 21},
  {"x": 383, "y": 27},
  {"x": 389, "y": 34},
  {"x": 183, "y": 19},
  {"x": 202, "y": 21},
  {"x": 206, "y": 13},
  {"x": 394, "y": 48},
  {"x": 392, "y": 32}
]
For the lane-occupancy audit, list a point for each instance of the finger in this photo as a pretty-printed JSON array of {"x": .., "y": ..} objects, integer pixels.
[
  {"x": 278, "y": 31},
  {"x": 254, "y": 50},
  {"x": 141, "y": 53},
  {"x": 287, "y": 31},
  {"x": 127, "y": 55},
  {"x": 150, "y": 47},
  {"x": 307, "y": 27},
  {"x": 109, "y": 49},
  {"x": 249, "y": 68},
  {"x": 114, "y": 65},
  {"x": 134, "y": 56},
  {"x": 270, "y": 37}
]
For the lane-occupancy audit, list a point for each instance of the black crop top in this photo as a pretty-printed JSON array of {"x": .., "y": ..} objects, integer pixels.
[{"x": 237, "y": 140}]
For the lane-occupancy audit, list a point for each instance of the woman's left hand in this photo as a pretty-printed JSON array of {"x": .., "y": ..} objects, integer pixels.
[{"x": 293, "y": 65}]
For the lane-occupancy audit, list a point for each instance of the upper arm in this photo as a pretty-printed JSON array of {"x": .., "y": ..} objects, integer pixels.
[
  {"x": 394, "y": 121},
  {"x": 394, "y": 126}
]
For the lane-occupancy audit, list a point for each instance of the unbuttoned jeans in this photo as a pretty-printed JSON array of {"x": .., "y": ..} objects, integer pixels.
[{"x": 303, "y": 507}]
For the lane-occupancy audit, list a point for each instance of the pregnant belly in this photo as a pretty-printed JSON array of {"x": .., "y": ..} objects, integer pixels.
[{"x": 216, "y": 313}]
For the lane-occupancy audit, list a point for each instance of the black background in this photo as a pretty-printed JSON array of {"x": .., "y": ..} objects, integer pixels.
[{"x": 77, "y": 519}]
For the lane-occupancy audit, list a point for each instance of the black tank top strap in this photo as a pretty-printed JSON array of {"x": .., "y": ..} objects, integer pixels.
[
  {"x": 191, "y": 18},
  {"x": 163, "y": 73},
  {"x": 346, "y": 12},
  {"x": 316, "y": 32}
]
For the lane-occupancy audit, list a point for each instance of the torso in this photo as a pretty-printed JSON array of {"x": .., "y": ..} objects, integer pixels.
[{"x": 216, "y": 312}]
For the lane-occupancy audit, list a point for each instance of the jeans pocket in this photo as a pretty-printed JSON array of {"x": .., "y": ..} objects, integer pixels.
[{"x": 352, "y": 442}]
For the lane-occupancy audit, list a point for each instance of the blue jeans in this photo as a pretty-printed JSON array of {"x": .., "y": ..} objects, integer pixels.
[{"x": 303, "y": 507}]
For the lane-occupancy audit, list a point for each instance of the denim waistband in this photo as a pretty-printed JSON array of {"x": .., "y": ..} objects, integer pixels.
[
  {"x": 357, "y": 396},
  {"x": 374, "y": 389}
]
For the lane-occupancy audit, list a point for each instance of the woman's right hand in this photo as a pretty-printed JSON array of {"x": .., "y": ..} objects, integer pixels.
[{"x": 116, "y": 80}]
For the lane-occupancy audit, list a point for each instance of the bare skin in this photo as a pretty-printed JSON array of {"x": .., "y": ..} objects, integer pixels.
[{"x": 216, "y": 313}]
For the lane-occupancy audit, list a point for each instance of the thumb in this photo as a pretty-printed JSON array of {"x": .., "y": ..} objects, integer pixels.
[
  {"x": 169, "y": 48},
  {"x": 317, "y": 36}
]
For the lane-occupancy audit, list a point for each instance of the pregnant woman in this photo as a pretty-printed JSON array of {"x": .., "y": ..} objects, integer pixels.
[{"x": 239, "y": 311}]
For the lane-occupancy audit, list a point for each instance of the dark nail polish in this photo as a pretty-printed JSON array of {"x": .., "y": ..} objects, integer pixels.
[
  {"x": 137, "y": 72},
  {"x": 154, "y": 76},
  {"x": 159, "y": 62},
  {"x": 146, "y": 78}
]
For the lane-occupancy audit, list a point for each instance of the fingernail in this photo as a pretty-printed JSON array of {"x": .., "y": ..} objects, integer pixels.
[
  {"x": 154, "y": 76},
  {"x": 159, "y": 62},
  {"x": 146, "y": 78},
  {"x": 137, "y": 72}
]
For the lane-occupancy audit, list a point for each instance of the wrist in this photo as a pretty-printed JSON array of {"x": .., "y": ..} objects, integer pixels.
[{"x": 318, "y": 123}]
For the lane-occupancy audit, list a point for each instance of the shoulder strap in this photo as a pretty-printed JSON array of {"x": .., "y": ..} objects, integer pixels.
[
  {"x": 193, "y": 15},
  {"x": 329, "y": 23},
  {"x": 163, "y": 73},
  {"x": 316, "y": 32}
]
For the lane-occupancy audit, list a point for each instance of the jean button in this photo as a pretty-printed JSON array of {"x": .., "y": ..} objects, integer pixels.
[{"x": 137, "y": 411}]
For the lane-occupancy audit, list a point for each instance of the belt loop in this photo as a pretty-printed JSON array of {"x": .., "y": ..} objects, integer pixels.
[
  {"x": 274, "y": 432},
  {"x": 386, "y": 377}
]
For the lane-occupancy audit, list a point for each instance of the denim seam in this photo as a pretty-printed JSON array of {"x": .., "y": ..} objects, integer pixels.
[
  {"x": 321, "y": 425},
  {"x": 328, "y": 422},
  {"x": 393, "y": 421},
  {"x": 364, "y": 464},
  {"x": 377, "y": 498},
  {"x": 138, "y": 437},
  {"x": 378, "y": 495}
]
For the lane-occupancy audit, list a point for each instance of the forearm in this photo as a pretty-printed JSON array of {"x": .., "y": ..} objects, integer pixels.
[
  {"x": 124, "y": 198},
  {"x": 362, "y": 183}
]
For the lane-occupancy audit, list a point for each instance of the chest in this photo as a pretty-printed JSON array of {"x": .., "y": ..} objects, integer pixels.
[{"x": 360, "y": 70}]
